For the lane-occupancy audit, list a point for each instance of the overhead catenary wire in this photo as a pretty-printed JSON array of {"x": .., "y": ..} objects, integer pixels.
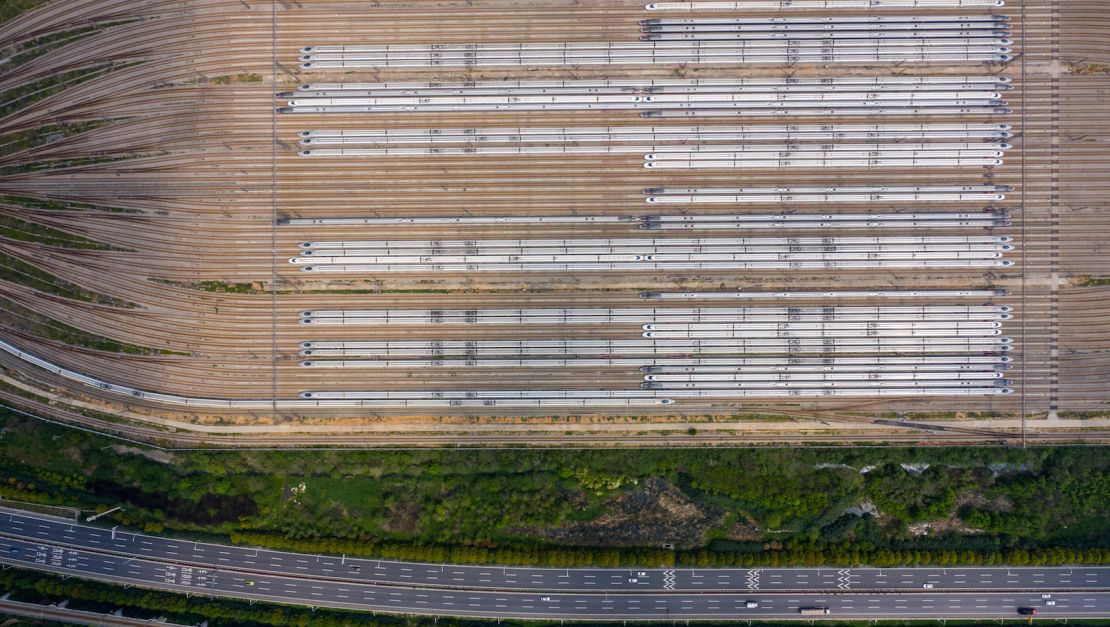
[
  {"x": 728, "y": 334},
  {"x": 780, "y": 5},
  {"x": 652, "y": 134}
]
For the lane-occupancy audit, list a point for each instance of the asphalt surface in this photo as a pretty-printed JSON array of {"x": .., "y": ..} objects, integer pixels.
[
  {"x": 200, "y": 554},
  {"x": 75, "y": 617},
  {"x": 54, "y": 545}
]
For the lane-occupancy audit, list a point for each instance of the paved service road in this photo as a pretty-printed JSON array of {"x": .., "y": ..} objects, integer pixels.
[
  {"x": 75, "y": 617},
  {"x": 121, "y": 561},
  {"x": 20, "y": 524}
]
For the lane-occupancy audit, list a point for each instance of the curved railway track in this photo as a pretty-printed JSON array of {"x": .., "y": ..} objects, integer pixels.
[{"x": 213, "y": 166}]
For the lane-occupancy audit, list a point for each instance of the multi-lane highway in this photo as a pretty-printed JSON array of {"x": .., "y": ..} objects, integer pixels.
[
  {"x": 75, "y": 617},
  {"x": 60, "y": 546}
]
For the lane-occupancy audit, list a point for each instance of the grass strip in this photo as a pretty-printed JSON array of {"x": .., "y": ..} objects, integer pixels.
[
  {"x": 27, "y": 321},
  {"x": 18, "y": 271}
]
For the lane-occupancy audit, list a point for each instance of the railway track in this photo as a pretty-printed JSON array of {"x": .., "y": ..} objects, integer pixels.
[{"x": 215, "y": 167}]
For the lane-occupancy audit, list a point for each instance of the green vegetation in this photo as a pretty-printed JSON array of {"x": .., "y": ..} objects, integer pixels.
[
  {"x": 1088, "y": 68},
  {"x": 223, "y": 287},
  {"x": 23, "y": 140},
  {"x": 366, "y": 291},
  {"x": 717, "y": 506},
  {"x": 14, "y": 228},
  {"x": 231, "y": 288},
  {"x": 92, "y": 596},
  {"x": 11, "y": 8},
  {"x": 54, "y": 164},
  {"x": 1083, "y": 415},
  {"x": 59, "y": 205},
  {"x": 34, "y": 323},
  {"x": 910, "y": 498},
  {"x": 17, "y": 271},
  {"x": 1095, "y": 281},
  {"x": 45, "y": 589},
  {"x": 238, "y": 78},
  {"x": 20, "y": 97},
  {"x": 25, "y": 51}
]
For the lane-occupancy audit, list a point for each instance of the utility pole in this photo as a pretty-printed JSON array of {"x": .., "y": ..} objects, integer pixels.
[{"x": 95, "y": 516}]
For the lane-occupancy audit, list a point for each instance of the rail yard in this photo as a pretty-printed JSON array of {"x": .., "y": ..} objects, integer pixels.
[{"x": 556, "y": 222}]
